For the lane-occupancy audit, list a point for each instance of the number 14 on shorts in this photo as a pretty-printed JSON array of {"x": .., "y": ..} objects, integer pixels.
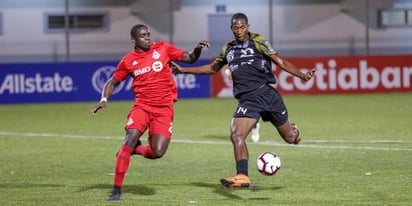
[{"x": 241, "y": 110}]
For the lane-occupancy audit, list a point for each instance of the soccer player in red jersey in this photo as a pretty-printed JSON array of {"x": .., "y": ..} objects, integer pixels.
[{"x": 149, "y": 64}]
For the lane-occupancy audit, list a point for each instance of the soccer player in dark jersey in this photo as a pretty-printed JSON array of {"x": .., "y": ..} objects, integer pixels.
[
  {"x": 149, "y": 64},
  {"x": 250, "y": 58},
  {"x": 255, "y": 129}
]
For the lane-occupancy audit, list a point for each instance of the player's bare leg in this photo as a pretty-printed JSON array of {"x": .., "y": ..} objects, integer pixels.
[
  {"x": 240, "y": 128},
  {"x": 156, "y": 148},
  {"x": 289, "y": 132}
]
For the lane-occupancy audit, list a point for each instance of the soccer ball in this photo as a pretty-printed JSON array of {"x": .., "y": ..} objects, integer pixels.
[{"x": 268, "y": 163}]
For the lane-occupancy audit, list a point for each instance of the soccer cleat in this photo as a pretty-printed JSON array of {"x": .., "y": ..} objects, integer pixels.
[
  {"x": 240, "y": 180},
  {"x": 134, "y": 151},
  {"x": 116, "y": 193},
  {"x": 297, "y": 138},
  {"x": 255, "y": 133}
]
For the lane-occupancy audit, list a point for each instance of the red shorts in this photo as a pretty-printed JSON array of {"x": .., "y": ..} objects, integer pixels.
[{"x": 158, "y": 119}]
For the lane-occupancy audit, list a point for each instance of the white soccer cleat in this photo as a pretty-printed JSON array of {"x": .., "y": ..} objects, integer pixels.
[{"x": 255, "y": 133}]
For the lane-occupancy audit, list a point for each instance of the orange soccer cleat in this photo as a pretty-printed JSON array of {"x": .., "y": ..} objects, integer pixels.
[{"x": 240, "y": 180}]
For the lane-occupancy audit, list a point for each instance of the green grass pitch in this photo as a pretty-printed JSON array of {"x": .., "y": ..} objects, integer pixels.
[{"x": 356, "y": 150}]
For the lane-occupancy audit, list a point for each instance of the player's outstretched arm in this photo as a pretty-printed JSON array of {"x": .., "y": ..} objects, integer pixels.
[
  {"x": 205, "y": 69},
  {"x": 193, "y": 55},
  {"x": 106, "y": 93},
  {"x": 292, "y": 69}
]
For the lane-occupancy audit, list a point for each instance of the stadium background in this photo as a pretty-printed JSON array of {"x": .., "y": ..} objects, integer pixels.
[{"x": 346, "y": 39}]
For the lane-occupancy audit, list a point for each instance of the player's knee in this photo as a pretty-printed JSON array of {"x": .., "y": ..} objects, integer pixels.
[
  {"x": 158, "y": 153},
  {"x": 238, "y": 138},
  {"x": 129, "y": 143},
  {"x": 132, "y": 137}
]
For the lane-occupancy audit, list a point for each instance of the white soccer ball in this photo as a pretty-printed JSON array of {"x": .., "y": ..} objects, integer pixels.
[{"x": 268, "y": 163}]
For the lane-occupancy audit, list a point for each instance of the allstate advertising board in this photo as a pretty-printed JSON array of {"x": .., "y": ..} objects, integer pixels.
[{"x": 69, "y": 82}]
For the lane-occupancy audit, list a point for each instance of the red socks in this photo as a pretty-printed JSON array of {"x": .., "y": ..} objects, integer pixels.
[
  {"x": 123, "y": 161},
  {"x": 146, "y": 151},
  {"x": 122, "y": 164}
]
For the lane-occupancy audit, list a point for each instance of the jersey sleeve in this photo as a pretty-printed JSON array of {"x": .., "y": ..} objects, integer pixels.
[
  {"x": 221, "y": 59},
  {"x": 175, "y": 53},
  {"x": 263, "y": 45},
  {"x": 121, "y": 72}
]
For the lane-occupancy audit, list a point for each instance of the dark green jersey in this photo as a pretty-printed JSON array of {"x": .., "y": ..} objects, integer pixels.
[{"x": 249, "y": 63}]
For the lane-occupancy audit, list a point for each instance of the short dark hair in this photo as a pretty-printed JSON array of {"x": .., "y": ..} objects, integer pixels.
[
  {"x": 239, "y": 16},
  {"x": 135, "y": 28}
]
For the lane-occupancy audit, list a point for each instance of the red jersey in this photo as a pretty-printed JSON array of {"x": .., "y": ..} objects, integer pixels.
[{"x": 153, "y": 83}]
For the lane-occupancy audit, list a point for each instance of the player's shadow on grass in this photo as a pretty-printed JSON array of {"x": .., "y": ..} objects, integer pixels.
[
  {"x": 228, "y": 192},
  {"x": 218, "y": 189},
  {"x": 29, "y": 185},
  {"x": 132, "y": 189}
]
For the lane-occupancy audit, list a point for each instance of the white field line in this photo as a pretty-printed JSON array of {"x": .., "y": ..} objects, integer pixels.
[{"x": 264, "y": 143}]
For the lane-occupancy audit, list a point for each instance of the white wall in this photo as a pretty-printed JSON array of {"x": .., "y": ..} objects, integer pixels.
[
  {"x": 298, "y": 29},
  {"x": 24, "y": 33}
]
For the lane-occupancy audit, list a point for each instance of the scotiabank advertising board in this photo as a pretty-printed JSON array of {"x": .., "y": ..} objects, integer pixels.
[{"x": 338, "y": 75}]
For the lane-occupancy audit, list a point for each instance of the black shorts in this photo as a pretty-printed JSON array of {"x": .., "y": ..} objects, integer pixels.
[{"x": 265, "y": 102}]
